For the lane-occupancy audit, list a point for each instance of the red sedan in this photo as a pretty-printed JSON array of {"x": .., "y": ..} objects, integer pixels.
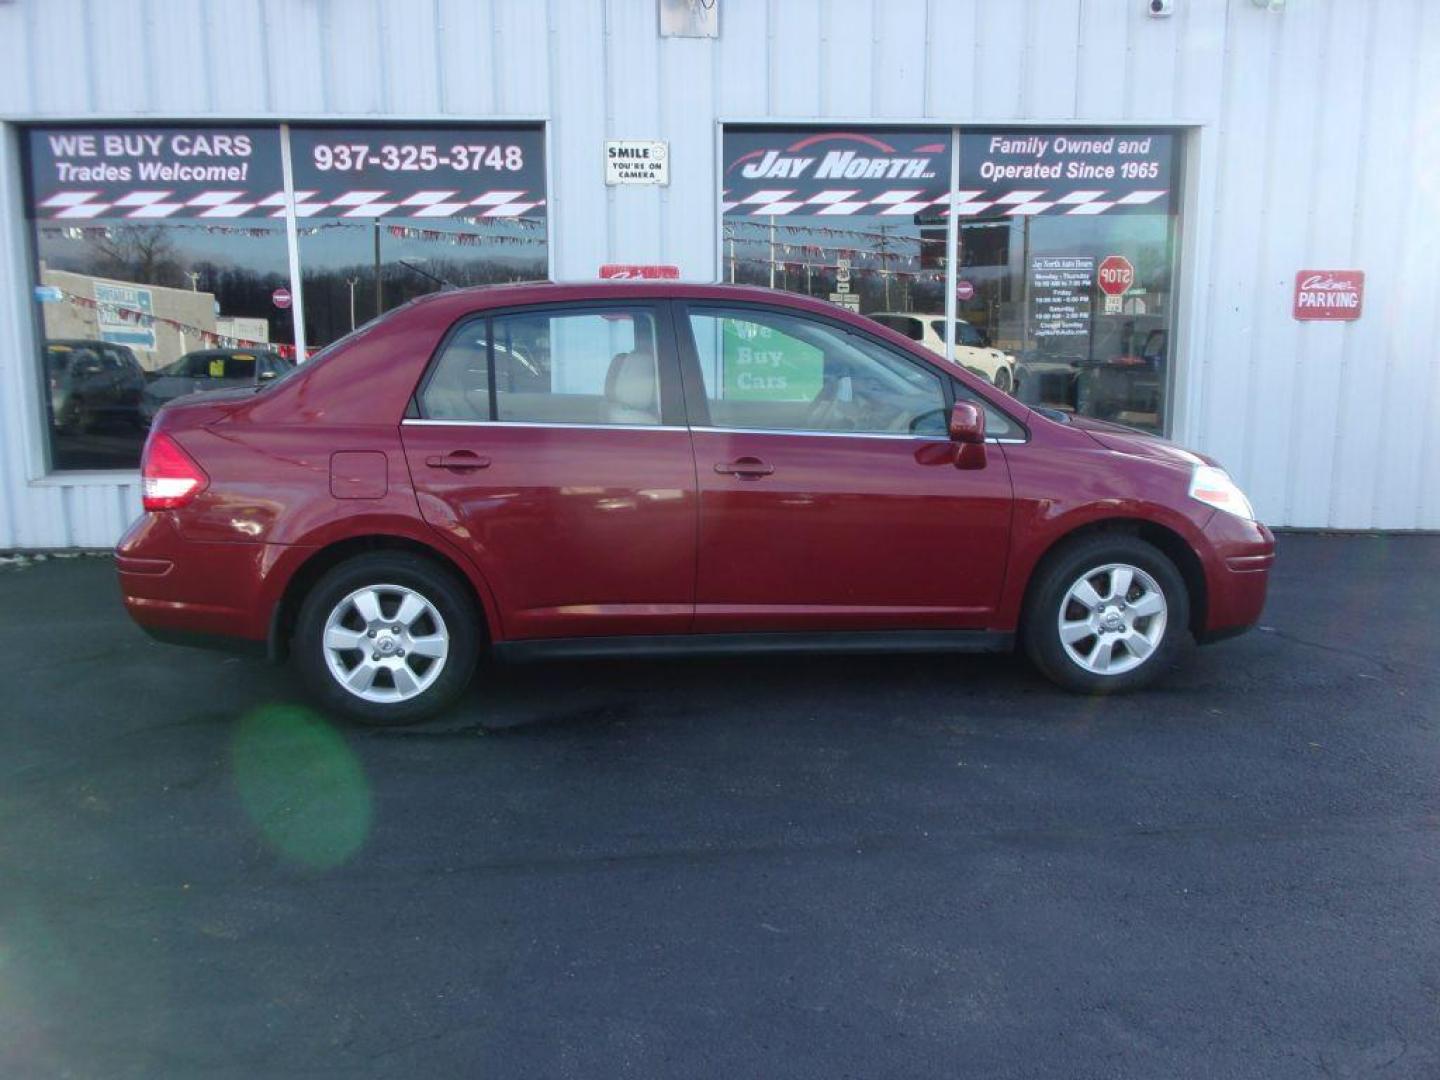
[{"x": 601, "y": 469}]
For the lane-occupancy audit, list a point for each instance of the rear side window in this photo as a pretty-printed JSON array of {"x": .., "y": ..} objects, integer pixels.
[{"x": 591, "y": 367}]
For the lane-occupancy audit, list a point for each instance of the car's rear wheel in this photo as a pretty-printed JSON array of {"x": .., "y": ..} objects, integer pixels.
[
  {"x": 1003, "y": 380},
  {"x": 387, "y": 638},
  {"x": 1107, "y": 612}
]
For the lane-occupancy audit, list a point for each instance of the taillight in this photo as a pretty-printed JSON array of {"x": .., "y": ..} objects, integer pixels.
[{"x": 170, "y": 478}]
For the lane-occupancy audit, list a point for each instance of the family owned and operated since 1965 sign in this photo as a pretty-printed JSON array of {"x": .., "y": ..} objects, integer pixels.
[{"x": 1024, "y": 172}]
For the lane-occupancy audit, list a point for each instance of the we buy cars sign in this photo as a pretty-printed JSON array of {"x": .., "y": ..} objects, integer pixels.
[{"x": 1332, "y": 295}]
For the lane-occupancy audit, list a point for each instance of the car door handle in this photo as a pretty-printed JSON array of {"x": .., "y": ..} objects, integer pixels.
[
  {"x": 458, "y": 461},
  {"x": 746, "y": 468}
]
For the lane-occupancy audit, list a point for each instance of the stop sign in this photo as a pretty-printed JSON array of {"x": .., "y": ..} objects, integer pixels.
[
  {"x": 281, "y": 298},
  {"x": 1116, "y": 275}
]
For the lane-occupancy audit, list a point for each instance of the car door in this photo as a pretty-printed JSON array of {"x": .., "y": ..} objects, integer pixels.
[
  {"x": 829, "y": 495},
  {"x": 549, "y": 443}
]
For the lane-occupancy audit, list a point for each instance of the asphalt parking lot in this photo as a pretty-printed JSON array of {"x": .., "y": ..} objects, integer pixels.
[{"x": 819, "y": 867}]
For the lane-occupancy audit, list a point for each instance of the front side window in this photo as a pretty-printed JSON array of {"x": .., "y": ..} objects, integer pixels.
[
  {"x": 595, "y": 367},
  {"x": 775, "y": 372}
]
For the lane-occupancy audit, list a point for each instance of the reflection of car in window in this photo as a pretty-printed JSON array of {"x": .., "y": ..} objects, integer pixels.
[
  {"x": 91, "y": 382},
  {"x": 1126, "y": 381},
  {"x": 972, "y": 347},
  {"x": 212, "y": 369}
]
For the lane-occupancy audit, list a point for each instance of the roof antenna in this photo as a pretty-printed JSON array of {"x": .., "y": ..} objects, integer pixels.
[{"x": 426, "y": 273}]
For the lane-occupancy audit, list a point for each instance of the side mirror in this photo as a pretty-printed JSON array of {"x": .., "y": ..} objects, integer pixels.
[{"x": 967, "y": 431}]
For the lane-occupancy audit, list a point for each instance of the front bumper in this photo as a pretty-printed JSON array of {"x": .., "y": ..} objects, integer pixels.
[{"x": 1237, "y": 575}]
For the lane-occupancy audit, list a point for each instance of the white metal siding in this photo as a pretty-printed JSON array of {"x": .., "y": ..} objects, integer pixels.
[{"x": 1315, "y": 143}]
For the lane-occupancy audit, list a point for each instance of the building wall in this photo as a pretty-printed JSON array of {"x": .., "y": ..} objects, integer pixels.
[
  {"x": 193, "y": 308},
  {"x": 1314, "y": 142}
]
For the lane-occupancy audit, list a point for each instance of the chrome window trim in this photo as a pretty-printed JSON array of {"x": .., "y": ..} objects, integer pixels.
[
  {"x": 841, "y": 434},
  {"x": 712, "y": 430},
  {"x": 562, "y": 424}
]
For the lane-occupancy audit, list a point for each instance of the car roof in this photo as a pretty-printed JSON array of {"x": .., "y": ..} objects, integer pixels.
[{"x": 481, "y": 297}]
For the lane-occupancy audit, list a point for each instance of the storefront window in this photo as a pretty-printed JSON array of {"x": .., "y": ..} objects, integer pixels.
[
  {"x": 854, "y": 217},
  {"x": 1065, "y": 238},
  {"x": 388, "y": 214},
  {"x": 1067, "y": 247},
  {"x": 151, "y": 244},
  {"x": 162, "y": 257}
]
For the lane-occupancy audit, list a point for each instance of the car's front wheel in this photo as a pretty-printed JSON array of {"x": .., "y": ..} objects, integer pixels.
[
  {"x": 1108, "y": 612},
  {"x": 387, "y": 638},
  {"x": 1003, "y": 380}
]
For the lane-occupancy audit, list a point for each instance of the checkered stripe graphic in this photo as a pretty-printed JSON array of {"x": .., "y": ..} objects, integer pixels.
[
  {"x": 1020, "y": 202},
  {"x": 82, "y": 205}
]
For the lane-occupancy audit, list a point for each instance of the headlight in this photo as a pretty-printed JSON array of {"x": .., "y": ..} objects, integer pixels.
[{"x": 1213, "y": 487}]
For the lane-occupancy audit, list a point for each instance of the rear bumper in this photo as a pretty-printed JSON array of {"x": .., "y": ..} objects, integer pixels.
[
  {"x": 215, "y": 594},
  {"x": 1237, "y": 573}
]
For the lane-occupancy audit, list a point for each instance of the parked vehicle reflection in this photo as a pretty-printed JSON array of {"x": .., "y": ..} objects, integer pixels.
[{"x": 210, "y": 369}]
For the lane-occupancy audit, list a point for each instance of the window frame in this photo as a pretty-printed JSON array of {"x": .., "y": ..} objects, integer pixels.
[
  {"x": 697, "y": 402},
  {"x": 672, "y": 405}
]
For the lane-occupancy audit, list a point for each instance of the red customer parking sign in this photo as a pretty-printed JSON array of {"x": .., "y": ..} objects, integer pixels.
[{"x": 1331, "y": 295}]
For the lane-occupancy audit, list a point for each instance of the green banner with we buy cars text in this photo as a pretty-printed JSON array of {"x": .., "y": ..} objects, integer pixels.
[{"x": 763, "y": 365}]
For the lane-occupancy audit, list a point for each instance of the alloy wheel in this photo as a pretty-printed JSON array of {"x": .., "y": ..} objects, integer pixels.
[
  {"x": 385, "y": 643},
  {"x": 1112, "y": 619}
]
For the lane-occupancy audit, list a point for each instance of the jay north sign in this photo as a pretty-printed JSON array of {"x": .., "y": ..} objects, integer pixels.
[{"x": 893, "y": 172}]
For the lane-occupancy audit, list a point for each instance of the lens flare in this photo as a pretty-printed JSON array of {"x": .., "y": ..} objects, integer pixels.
[{"x": 301, "y": 785}]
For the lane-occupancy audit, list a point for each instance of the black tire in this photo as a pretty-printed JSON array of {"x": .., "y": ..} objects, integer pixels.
[
  {"x": 433, "y": 582},
  {"x": 1003, "y": 381},
  {"x": 1053, "y": 580}
]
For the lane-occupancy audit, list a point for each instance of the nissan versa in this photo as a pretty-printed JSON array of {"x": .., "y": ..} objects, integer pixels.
[{"x": 602, "y": 469}]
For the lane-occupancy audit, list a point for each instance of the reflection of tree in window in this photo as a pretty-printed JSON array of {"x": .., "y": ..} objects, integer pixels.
[{"x": 144, "y": 254}]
